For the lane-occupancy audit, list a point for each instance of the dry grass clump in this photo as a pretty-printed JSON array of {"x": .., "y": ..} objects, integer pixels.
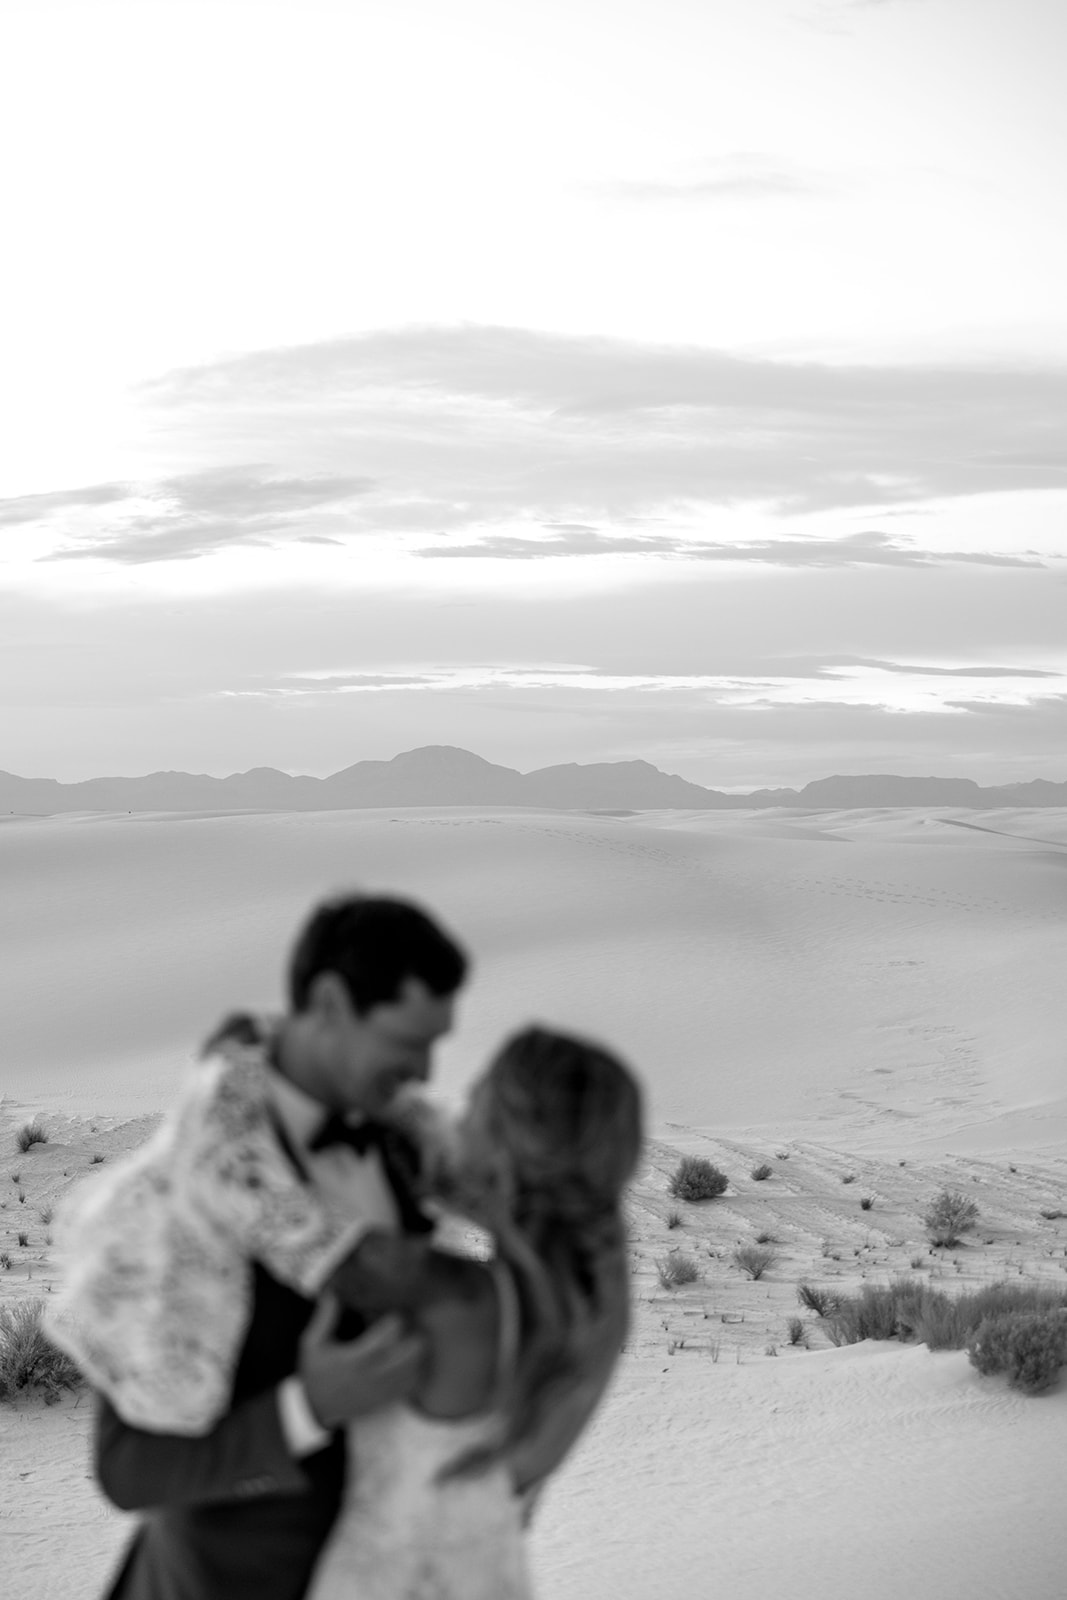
[
  {"x": 907, "y": 1309},
  {"x": 950, "y": 1322},
  {"x": 872, "y": 1314},
  {"x": 760, "y": 1173},
  {"x": 28, "y": 1360},
  {"x": 1030, "y": 1346},
  {"x": 31, "y": 1133},
  {"x": 948, "y": 1216},
  {"x": 674, "y": 1219},
  {"x": 697, "y": 1179},
  {"x": 753, "y": 1259},
  {"x": 677, "y": 1269},
  {"x": 824, "y": 1302}
]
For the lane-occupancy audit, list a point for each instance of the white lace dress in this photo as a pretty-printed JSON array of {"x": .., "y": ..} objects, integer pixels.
[{"x": 403, "y": 1535}]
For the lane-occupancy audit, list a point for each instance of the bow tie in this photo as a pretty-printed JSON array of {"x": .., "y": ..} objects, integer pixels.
[{"x": 360, "y": 1137}]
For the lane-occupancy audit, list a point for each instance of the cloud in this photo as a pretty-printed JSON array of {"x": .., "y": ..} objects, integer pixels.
[
  {"x": 735, "y": 175},
  {"x": 865, "y": 549},
  {"x": 924, "y": 671},
  {"x": 36, "y": 507},
  {"x": 186, "y": 516},
  {"x": 305, "y": 684},
  {"x": 604, "y": 446},
  {"x": 469, "y": 424}
]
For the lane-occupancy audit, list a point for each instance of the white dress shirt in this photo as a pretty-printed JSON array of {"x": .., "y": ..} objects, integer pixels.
[{"x": 348, "y": 1182}]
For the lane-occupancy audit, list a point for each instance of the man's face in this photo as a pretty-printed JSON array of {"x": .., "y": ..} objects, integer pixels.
[{"x": 388, "y": 1047}]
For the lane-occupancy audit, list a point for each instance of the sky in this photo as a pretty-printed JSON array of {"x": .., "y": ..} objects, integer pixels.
[{"x": 594, "y": 380}]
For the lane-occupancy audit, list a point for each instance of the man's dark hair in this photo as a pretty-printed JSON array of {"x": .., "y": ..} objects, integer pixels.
[{"x": 373, "y": 943}]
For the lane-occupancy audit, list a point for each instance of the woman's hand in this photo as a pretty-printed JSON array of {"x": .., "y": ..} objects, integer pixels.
[{"x": 349, "y": 1378}]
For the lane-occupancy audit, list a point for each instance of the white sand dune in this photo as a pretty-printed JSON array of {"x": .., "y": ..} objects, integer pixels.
[
  {"x": 872, "y": 1470},
  {"x": 869, "y": 991},
  {"x": 895, "y": 974}
]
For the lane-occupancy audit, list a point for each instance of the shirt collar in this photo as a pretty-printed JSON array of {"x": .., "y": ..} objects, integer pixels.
[{"x": 302, "y": 1115}]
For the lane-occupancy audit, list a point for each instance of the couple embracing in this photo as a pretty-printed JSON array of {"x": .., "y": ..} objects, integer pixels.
[{"x": 305, "y": 1392}]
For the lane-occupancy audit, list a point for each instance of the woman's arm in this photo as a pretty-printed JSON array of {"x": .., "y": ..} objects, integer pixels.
[
  {"x": 384, "y": 1272},
  {"x": 450, "y": 1299}
]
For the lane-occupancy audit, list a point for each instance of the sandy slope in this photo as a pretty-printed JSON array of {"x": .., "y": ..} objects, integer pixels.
[
  {"x": 895, "y": 974},
  {"x": 824, "y": 1471},
  {"x": 872, "y": 993},
  {"x": 872, "y": 1471}
]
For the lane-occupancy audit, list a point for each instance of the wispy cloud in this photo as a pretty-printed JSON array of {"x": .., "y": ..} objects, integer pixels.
[
  {"x": 567, "y": 415},
  {"x": 29, "y": 508},
  {"x": 771, "y": 683},
  {"x": 856, "y": 549},
  {"x": 742, "y": 175},
  {"x": 476, "y": 433},
  {"x": 913, "y": 669},
  {"x": 187, "y": 516}
]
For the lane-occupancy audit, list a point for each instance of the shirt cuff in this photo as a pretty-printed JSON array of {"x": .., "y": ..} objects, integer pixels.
[{"x": 301, "y": 1429}]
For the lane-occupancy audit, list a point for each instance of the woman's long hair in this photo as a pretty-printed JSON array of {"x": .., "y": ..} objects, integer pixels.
[{"x": 565, "y": 1117}]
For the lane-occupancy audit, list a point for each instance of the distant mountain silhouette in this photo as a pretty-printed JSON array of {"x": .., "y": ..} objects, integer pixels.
[{"x": 442, "y": 775}]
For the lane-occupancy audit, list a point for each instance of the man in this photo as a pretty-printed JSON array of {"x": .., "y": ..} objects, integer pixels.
[{"x": 243, "y": 1511}]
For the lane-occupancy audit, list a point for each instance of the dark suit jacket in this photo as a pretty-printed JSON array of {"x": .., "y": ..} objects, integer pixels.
[{"x": 231, "y": 1514}]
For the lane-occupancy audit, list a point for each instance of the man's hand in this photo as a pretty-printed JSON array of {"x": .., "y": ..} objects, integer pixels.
[{"x": 346, "y": 1379}]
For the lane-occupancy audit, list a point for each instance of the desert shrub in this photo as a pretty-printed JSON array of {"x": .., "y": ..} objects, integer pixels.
[
  {"x": 948, "y": 1216},
  {"x": 763, "y": 1237},
  {"x": 46, "y": 1214},
  {"x": 28, "y": 1359},
  {"x": 989, "y": 1349},
  {"x": 95, "y": 1161},
  {"x": 908, "y": 1309},
  {"x": 848, "y": 1177},
  {"x": 796, "y": 1330},
  {"x": 697, "y": 1179},
  {"x": 821, "y": 1301},
  {"x": 674, "y": 1219},
  {"x": 24, "y": 1240},
  {"x": 5, "y": 1261},
  {"x": 677, "y": 1269},
  {"x": 867, "y": 1202},
  {"x": 761, "y": 1172},
  {"x": 948, "y": 1322},
  {"x": 872, "y": 1314},
  {"x": 31, "y": 1133},
  {"x": 753, "y": 1259},
  {"x": 1030, "y": 1346}
]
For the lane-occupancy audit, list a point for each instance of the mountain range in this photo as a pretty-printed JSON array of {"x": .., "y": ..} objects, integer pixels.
[{"x": 442, "y": 775}]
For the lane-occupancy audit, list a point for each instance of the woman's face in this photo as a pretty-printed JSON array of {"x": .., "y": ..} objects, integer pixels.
[{"x": 479, "y": 1144}]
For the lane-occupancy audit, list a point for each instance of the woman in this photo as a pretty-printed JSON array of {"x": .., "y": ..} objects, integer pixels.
[{"x": 520, "y": 1350}]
